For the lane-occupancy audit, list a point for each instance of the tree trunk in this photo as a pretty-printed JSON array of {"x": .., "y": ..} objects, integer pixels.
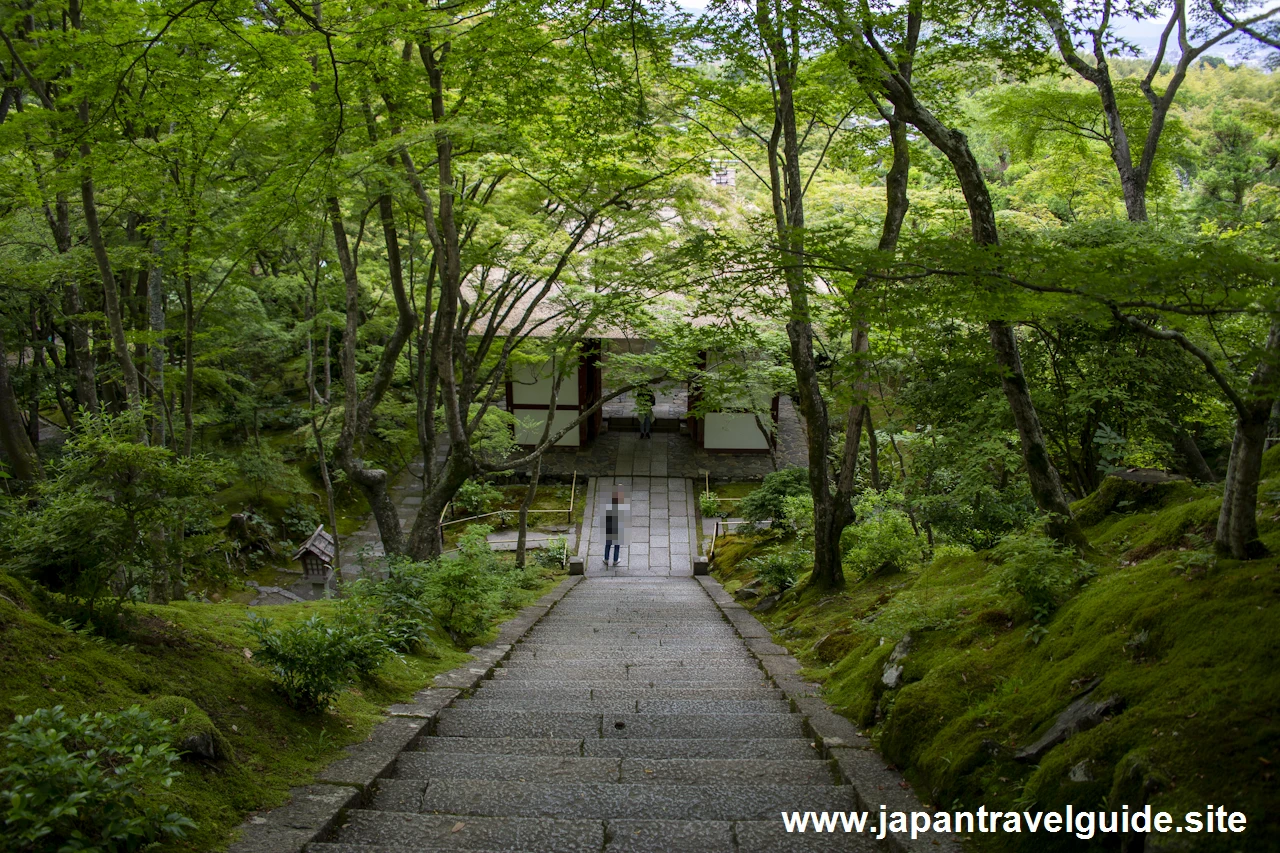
[
  {"x": 319, "y": 437},
  {"x": 155, "y": 305},
  {"x": 110, "y": 293},
  {"x": 328, "y": 489},
  {"x": 1237, "y": 532},
  {"x": 188, "y": 365},
  {"x": 13, "y": 434},
  {"x": 529, "y": 495},
  {"x": 425, "y": 542},
  {"x": 1046, "y": 488},
  {"x": 85, "y": 366},
  {"x": 37, "y": 376},
  {"x": 1194, "y": 465},
  {"x": 830, "y": 514},
  {"x": 358, "y": 412},
  {"x": 873, "y": 451}
]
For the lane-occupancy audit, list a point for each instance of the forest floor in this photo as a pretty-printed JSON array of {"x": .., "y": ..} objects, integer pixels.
[
  {"x": 198, "y": 652},
  {"x": 1186, "y": 640}
]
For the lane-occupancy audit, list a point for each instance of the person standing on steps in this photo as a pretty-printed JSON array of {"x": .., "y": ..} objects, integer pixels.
[
  {"x": 645, "y": 398},
  {"x": 614, "y": 522}
]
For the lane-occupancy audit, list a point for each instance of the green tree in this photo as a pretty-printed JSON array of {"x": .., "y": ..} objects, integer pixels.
[{"x": 118, "y": 520}]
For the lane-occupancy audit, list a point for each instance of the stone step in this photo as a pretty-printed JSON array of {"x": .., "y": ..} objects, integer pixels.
[
  {"x": 517, "y": 768},
  {"x": 676, "y": 771},
  {"x": 697, "y": 747},
  {"x": 624, "y": 672},
  {"x": 483, "y": 701},
  {"x": 679, "y": 644},
  {"x": 507, "y": 689},
  {"x": 718, "y": 771},
  {"x": 702, "y": 725},
  {"x": 773, "y": 749},
  {"x": 697, "y": 625},
  {"x": 638, "y": 836},
  {"x": 460, "y": 722},
  {"x": 627, "y": 705},
  {"x": 499, "y": 745},
  {"x": 418, "y": 831},
  {"x": 603, "y": 800},
  {"x": 759, "y": 681},
  {"x": 593, "y": 656}
]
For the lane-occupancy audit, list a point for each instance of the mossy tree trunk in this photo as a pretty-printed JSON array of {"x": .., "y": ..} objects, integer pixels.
[
  {"x": 1237, "y": 532},
  {"x": 13, "y": 435}
]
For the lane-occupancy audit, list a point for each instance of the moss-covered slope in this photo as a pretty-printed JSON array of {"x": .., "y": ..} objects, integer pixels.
[
  {"x": 1188, "y": 643},
  {"x": 189, "y": 660}
]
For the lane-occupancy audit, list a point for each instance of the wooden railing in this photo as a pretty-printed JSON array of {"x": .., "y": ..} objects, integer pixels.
[
  {"x": 715, "y": 535},
  {"x": 442, "y": 524}
]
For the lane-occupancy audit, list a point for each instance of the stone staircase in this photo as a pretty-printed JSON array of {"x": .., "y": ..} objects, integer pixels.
[{"x": 632, "y": 719}]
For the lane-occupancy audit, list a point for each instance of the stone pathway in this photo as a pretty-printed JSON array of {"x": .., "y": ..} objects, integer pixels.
[
  {"x": 406, "y": 491},
  {"x": 631, "y": 719},
  {"x": 660, "y": 539}
]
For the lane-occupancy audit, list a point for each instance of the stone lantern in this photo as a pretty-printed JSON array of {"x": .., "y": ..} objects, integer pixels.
[{"x": 316, "y": 555}]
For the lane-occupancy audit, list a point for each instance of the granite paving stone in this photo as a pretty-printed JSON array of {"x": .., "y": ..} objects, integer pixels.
[
  {"x": 477, "y": 833},
  {"x": 518, "y": 768},
  {"x": 661, "y": 836}
]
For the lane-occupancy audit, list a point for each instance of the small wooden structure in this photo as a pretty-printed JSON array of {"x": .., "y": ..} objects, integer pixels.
[{"x": 316, "y": 556}]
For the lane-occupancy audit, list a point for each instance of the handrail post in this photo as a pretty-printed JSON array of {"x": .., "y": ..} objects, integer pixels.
[{"x": 573, "y": 490}]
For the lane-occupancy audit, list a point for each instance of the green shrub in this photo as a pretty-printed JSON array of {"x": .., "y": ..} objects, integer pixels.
[
  {"x": 263, "y": 469},
  {"x": 798, "y": 512},
  {"x": 87, "y": 783},
  {"x": 1039, "y": 570},
  {"x": 115, "y": 520},
  {"x": 766, "y": 501},
  {"x": 464, "y": 588},
  {"x": 882, "y": 541},
  {"x": 778, "y": 570},
  {"x": 475, "y": 497},
  {"x": 313, "y": 661},
  {"x": 964, "y": 488},
  {"x": 398, "y": 608},
  {"x": 300, "y": 519},
  {"x": 554, "y": 555},
  {"x": 709, "y": 505}
]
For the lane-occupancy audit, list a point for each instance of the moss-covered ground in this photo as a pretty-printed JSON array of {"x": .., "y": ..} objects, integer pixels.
[
  {"x": 198, "y": 652},
  {"x": 1188, "y": 640}
]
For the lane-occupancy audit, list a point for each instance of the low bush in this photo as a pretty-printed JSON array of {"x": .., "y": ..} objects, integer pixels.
[
  {"x": 398, "y": 608},
  {"x": 476, "y": 496},
  {"x": 554, "y": 555},
  {"x": 87, "y": 783},
  {"x": 798, "y": 512},
  {"x": 766, "y": 501},
  {"x": 709, "y": 505},
  {"x": 882, "y": 541},
  {"x": 464, "y": 588},
  {"x": 778, "y": 570},
  {"x": 1039, "y": 570},
  {"x": 313, "y": 661}
]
